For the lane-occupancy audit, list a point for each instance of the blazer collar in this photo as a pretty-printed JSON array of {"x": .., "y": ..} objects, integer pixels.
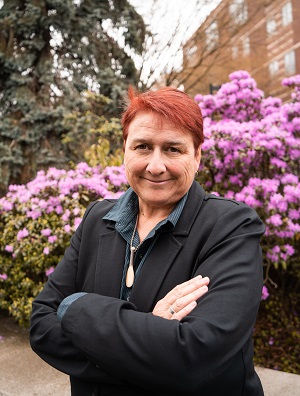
[{"x": 190, "y": 211}]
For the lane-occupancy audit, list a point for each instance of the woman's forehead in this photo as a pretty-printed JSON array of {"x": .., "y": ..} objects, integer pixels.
[{"x": 151, "y": 120}]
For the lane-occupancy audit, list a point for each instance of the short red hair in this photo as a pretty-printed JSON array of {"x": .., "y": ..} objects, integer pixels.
[{"x": 169, "y": 103}]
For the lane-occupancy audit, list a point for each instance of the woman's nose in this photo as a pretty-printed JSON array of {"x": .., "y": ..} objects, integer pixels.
[{"x": 156, "y": 163}]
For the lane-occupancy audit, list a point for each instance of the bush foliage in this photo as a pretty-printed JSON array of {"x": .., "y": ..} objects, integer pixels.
[
  {"x": 251, "y": 154},
  {"x": 37, "y": 221}
]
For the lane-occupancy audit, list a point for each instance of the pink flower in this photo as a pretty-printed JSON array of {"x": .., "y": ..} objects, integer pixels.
[
  {"x": 275, "y": 220},
  {"x": 34, "y": 214},
  {"x": 67, "y": 228},
  {"x": 66, "y": 215},
  {"x": 22, "y": 234},
  {"x": 3, "y": 276},
  {"x": 6, "y": 205},
  {"x": 265, "y": 293},
  {"x": 77, "y": 221},
  {"x": 9, "y": 248},
  {"x": 46, "y": 232},
  {"x": 49, "y": 271},
  {"x": 59, "y": 209},
  {"x": 46, "y": 250},
  {"x": 276, "y": 249},
  {"x": 52, "y": 238},
  {"x": 294, "y": 214},
  {"x": 289, "y": 249},
  {"x": 76, "y": 211}
]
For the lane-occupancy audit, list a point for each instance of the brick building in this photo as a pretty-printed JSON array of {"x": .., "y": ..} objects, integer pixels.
[{"x": 260, "y": 36}]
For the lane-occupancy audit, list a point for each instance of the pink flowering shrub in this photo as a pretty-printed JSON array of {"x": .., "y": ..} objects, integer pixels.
[
  {"x": 251, "y": 154},
  {"x": 36, "y": 223}
]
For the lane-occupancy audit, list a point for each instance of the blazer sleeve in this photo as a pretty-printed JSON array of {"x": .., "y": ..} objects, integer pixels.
[
  {"x": 147, "y": 350},
  {"x": 46, "y": 336}
]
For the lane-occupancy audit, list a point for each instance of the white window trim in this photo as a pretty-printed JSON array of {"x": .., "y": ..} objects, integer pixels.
[
  {"x": 212, "y": 36},
  {"x": 271, "y": 27},
  {"x": 290, "y": 62},
  {"x": 239, "y": 11},
  {"x": 246, "y": 46},
  {"x": 273, "y": 67},
  {"x": 287, "y": 13}
]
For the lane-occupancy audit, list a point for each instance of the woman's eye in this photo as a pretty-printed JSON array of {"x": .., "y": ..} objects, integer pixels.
[
  {"x": 142, "y": 147},
  {"x": 173, "y": 150}
]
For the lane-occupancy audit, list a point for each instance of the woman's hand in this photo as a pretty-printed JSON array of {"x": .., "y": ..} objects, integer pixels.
[{"x": 181, "y": 300}]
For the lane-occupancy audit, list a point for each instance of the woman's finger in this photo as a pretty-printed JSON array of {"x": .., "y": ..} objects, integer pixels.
[
  {"x": 184, "y": 301},
  {"x": 177, "y": 301},
  {"x": 185, "y": 289},
  {"x": 184, "y": 312}
]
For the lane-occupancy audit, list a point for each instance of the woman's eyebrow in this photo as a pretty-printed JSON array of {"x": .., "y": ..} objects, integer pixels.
[
  {"x": 166, "y": 142},
  {"x": 174, "y": 142}
]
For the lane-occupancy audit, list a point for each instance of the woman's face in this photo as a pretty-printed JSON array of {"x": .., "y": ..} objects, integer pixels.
[{"x": 160, "y": 161}]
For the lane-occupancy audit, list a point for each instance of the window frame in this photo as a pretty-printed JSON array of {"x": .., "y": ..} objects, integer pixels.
[
  {"x": 212, "y": 36},
  {"x": 239, "y": 11},
  {"x": 290, "y": 62},
  {"x": 287, "y": 13}
]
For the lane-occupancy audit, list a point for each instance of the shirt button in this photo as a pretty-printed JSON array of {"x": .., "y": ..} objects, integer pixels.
[{"x": 141, "y": 256}]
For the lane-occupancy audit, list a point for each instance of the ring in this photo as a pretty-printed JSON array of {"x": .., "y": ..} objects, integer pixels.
[{"x": 172, "y": 310}]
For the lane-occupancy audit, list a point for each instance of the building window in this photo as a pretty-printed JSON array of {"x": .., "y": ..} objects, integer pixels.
[
  {"x": 212, "y": 36},
  {"x": 287, "y": 14},
  {"x": 235, "y": 51},
  {"x": 191, "y": 51},
  {"x": 290, "y": 62},
  {"x": 246, "y": 46},
  {"x": 273, "y": 67},
  {"x": 271, "y": 27},
  {"x": 239, "y": 11}
]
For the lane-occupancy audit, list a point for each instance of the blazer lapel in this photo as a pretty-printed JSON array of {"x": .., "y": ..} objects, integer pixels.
[
  {"x": 110, "y": 263},
  {"x": 154, "y": 272}
]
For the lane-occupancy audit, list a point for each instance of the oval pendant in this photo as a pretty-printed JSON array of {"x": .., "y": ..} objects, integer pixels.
[{"x": 130, "y": 276}]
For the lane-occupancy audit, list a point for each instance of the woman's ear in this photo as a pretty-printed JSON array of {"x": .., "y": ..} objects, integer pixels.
[{"x": 197, "y": 158}]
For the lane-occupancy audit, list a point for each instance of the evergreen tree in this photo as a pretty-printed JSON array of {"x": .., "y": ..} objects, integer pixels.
[{"x": 50, "y": 52}]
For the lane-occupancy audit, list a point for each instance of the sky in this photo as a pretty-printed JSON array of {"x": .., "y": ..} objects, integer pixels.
[{"x": 165, "y": 17}]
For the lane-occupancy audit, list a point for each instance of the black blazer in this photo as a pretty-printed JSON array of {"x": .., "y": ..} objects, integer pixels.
[{"x": 114, "y": 347}]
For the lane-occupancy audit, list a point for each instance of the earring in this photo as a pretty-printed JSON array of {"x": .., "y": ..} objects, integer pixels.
[{"x": 196, "y": 174}]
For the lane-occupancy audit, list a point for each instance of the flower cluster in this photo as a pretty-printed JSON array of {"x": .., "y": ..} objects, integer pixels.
[
  {"x": 239, "y": 99},
  {"x": 293, "y": 82}
]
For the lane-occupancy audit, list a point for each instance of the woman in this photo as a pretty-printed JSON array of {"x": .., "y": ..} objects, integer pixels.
[{"x": 159, "y": 290}]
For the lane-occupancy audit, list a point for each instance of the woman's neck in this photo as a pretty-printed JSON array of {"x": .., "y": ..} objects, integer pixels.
[
  {"x": 149, "y": 217},
  {"x": 147, "y": 213}
]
